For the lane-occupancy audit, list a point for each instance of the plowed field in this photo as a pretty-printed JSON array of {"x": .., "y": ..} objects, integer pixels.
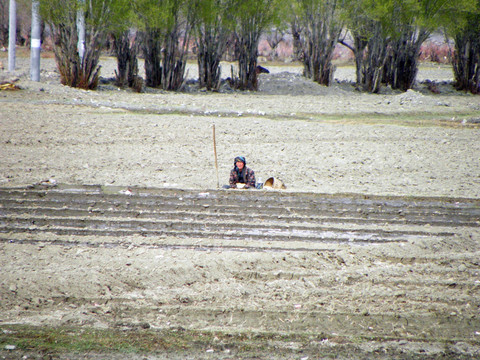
[{"x": 115, "y": 241}]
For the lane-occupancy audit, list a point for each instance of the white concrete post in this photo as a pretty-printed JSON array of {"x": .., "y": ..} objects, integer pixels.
[
  {"x": 35, "y": 47},
  {"x": 12, "y": 35}
]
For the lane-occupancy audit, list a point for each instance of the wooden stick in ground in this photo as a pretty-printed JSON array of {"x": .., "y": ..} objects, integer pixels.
[{"x": 215, "y": 152}]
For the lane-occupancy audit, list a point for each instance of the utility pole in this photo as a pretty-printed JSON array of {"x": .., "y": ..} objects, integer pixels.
[
  {"x": 12, "y": 35},
  {"x": 36, "y": 43},
  {"x": 81, "y": 30}
]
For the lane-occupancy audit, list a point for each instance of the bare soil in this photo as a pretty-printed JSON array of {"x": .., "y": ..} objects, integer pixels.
[{"x": 110, "y": 216}]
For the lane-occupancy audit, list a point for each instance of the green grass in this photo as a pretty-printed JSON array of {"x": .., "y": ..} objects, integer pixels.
[
  {"x": 78, "y": 340},
  {"x": 85, "y": 340},
  {"x": 58, "y": 340}
]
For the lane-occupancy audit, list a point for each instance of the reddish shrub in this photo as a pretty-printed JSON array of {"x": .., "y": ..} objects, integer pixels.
[{"x": 435, "y": 52}]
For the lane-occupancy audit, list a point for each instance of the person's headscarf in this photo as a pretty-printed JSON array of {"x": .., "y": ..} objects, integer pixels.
[
  {"x": 239, "y": 158},
  {"x": 243, "y": 173}
]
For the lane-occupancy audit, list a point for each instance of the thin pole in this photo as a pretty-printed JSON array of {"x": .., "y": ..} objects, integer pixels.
[
  {"x": 12, "y": 35},
  {"x": 215, "y": 152},
  {"x": 81, "y": 30},
  {"x": 35, "y": 42}
]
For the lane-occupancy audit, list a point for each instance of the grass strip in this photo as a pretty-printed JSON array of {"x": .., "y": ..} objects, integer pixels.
[
  {"x": 58, "y": 340},
  {"x": 139, "y": 340}
]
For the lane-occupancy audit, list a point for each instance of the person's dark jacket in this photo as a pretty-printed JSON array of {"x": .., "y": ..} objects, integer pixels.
[{"x": 246, "y": 176}]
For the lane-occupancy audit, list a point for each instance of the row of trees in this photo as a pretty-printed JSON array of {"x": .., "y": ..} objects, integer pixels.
[
  {"x": 388, "y": 36},
  {"x": 164, "y": 31},
  {"x": 385, "y": 37}
]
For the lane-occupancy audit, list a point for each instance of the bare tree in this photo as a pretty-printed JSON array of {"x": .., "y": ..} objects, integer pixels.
[
  {"x": 152, "y": 54},
  {"x": 75, "y": 70},
  {"x": 274, "y": 36},
  {"x": 124, "y": 43},
  {"x": 414, "y": 22},
  {"x": 297, "y": 30},
  {"x": 176, "y": 44},
  {"x": 212, "y": 29},
  {"x": 125, "y": 46},
  {"x": 322, "y": 28},
  {"x": 167, "y": 27},
  {"x": 370, "y": 56},
  {"x": 253, "y": 17},
  {"x": 386, "y": 42},
  {"x": 466, "y": 57},
  {"x": 466, "y": 60},
  {"x": 402, "y": 63},
  {"x": 388, "y": 35}
]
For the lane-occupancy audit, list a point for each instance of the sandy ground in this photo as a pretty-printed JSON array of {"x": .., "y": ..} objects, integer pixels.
[{"x": 315, "y": 139}]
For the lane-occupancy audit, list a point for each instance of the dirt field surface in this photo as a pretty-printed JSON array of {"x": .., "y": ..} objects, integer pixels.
[{"x": 111, "y": 221}]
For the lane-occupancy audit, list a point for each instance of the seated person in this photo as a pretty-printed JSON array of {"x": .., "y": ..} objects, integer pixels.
[{"x": 241, "y": 174}]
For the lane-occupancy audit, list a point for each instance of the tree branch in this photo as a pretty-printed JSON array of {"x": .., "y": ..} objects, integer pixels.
[{"x": 347, "y": 45}]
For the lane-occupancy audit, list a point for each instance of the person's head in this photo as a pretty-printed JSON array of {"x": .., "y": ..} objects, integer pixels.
[{"x": 240, "y": 162}]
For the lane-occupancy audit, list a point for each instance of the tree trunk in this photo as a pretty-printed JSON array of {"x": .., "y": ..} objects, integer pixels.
[
  {"x": 127, "y": 64},
  {"x": 466, "y": 60},
  {"x": 318, "y": 61},
  {"x": 90, "y": 71},
  {"x": 133, "y": 80},
  {"x": 167, "y": 51},
  {"x": 247, "y": 62},
  {"x": 297, "y": 41},
  {"x": 274, "y": 37},
  {"x": 121, "y": 48},
  {"x": 74, "y": 72},
  {"x": 211, "y": 43},
  {"x": 321, "y": 32},
  {"x": 151, "y": 51},
  {"x": 3, "y": 24},
  {"x": 359, "y": 48},
  {"x": 174, "y": 61},
  {"x": 402, "y": 66},
  {"x": 370, "y": 57}
]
